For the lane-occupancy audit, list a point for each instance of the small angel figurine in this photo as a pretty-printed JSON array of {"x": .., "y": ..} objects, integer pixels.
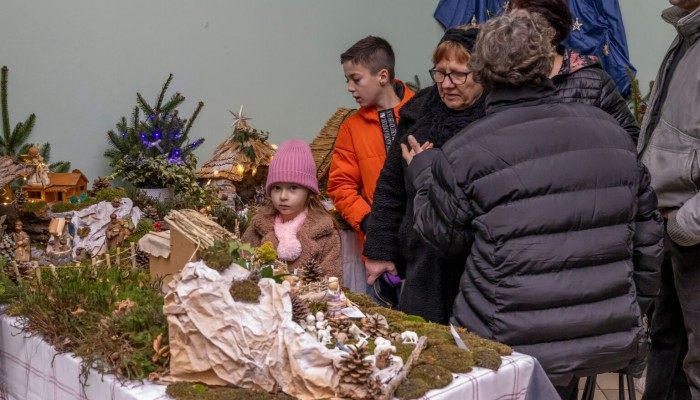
[{"x": 335, "y": 299}]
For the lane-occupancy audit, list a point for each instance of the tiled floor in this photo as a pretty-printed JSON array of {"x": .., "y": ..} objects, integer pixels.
[{"x": 607, "y": 388}]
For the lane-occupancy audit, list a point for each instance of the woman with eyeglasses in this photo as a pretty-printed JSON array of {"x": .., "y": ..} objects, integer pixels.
[
  {"x": 435, "y": 114},
  {"x": 577, "y": 77}
]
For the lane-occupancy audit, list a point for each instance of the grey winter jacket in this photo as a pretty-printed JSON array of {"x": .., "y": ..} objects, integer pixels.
[
  {"x": 669, "y": 144},
  {"x": 564, "y": 236}
]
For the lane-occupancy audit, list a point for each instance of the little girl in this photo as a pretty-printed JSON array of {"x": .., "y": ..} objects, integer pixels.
[{"x": 296, "y": 222}]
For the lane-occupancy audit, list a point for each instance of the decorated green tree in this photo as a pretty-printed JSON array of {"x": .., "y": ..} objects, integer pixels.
[
  {"x": 153, "y": 150},
  {"x": 160, "y": 132},
  {"x": 14, "y": 142}
]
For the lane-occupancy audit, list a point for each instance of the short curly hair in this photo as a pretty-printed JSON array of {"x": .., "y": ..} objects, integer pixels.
[
  {"x": 556, "y": 12},
  {"x": 513, "y": 50}
]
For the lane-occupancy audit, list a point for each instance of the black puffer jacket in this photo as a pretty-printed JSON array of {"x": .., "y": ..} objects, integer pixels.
[
  {"x": 565, "y": 239},
  {"x": 582, "y": 79},
  {"x": 431, "y": 283}
]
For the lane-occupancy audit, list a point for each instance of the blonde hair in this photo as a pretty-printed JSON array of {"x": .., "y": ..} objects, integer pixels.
[{"x": 513, "y": 50}]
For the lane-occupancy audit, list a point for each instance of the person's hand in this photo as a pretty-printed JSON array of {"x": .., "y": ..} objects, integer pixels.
[
  {"x": 375, "y": 269},
  {"x": 415, "y": 149}
]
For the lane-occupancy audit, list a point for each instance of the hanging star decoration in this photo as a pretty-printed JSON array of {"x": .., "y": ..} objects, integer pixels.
[
  {"x": 577, "y": 25},
  {"x": 239, "y": 121}
]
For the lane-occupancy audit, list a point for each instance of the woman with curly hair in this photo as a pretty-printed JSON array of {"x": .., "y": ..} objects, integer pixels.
[
  {"x": 577, "y": 77},
  {"x": 565, "y": 242}
]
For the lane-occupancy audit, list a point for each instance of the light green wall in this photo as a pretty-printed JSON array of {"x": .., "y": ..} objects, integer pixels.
[
  {"x": 648, "y": 36},
  {"x": 78, "y": 64}
]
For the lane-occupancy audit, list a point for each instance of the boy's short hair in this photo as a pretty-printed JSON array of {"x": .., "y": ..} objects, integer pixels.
[
  {"x": 372, "y": 52},
  {"x": 513, "y": 50}
]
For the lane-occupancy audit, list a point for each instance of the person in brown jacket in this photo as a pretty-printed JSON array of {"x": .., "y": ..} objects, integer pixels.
[{"x": 296, "y": 223}]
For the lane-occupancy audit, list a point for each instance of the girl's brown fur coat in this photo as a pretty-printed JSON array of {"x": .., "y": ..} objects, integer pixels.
[{"x": 318, "y": 237}]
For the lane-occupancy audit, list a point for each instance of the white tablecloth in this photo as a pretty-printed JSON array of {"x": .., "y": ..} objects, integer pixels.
[{"x": 29, "y": 371}]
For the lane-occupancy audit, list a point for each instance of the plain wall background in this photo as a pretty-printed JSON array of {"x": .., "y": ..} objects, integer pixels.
[{"x": 78, "y": 64}]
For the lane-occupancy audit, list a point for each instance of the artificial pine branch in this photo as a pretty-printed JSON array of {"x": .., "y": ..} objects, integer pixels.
[
  {"x": 5, "y": 112},
  {"x": 162, "y": 94},
  {"x": 60, "y": 166},
  {"x": 192, "y": 118},
  {"x": 144, "y": 105},
  {"x": 173, "y": 103},
  {"x": 45, "y": 151}
]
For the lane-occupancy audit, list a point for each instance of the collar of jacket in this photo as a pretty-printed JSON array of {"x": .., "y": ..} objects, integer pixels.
[
  {"x": 574, "y": 61},
  {"x": 371, "y": 114},
  {"x": 687, "y": 24},
  {"x": 314, "y": 226},
  {"x": 521, "y": 96}
]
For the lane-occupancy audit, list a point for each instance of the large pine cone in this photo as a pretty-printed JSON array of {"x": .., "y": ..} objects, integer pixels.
[
  {"x": 311, "y": 272},
  {"x": 339, "y": 325},
  {"x": 150, "y": 212},
  {"x": 372, "y": 326},
  {"x": 99, "y": 184},
  {"x": 375, "y": 389},
  {"x": 354, "y": 369},
  {"x": 299, "y": 308}
]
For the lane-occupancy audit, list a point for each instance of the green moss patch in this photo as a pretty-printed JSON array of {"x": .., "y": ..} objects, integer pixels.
[
  {"x": 246, "y": 291},
  {"x": 434, "y": 375},
  {"x": 411, "y": 389},
  {"x": 198, "y": 391}
]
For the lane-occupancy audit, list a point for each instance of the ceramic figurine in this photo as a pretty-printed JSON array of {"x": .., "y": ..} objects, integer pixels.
[
  {"x": 409, "y": 337},
  {"x": 115, "y": 233},
  {"x": 41, "y": 173}
]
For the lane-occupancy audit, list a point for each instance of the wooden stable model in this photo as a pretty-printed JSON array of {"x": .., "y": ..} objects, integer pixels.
[
  {"x": 61, "y": 188},
  {"x": 190, "y": 233}
]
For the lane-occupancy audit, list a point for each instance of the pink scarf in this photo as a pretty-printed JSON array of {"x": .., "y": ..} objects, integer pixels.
[{"x": 289, "y": 247}]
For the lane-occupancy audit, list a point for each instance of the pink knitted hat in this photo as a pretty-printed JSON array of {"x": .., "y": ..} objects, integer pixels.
[{"x": 293, "y": 163}]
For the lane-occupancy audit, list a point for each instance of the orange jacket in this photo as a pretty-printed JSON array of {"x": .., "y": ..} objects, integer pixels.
[{"x": 358, "y": 157}]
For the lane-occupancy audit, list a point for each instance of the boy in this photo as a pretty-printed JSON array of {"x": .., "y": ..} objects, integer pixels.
[{"x": 364, "y": 137}]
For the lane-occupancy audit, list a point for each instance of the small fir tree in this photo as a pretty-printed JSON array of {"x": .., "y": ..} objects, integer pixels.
[
  {"x": 14, "y": 142},
  {"x": 160, "y": 132}
]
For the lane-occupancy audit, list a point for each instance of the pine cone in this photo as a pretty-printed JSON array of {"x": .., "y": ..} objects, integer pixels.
[
  {"x": 20, "y": 197},
  {"x": 339, "y": 325},
  {"x": 374, "y": 328},
  {"x": 375, "y": 389},
  {"x": 7, "y": 247},
  {"x": 311, "y": 272},
  {"x": 354, "y": 369},
  {"x": 142, "y": 260},
  {"x": 150, "y": 212},
  {"x": 383, "y": 359},
  {"x": 99, "y": 184},
  {"x": 299, "y": 308}
]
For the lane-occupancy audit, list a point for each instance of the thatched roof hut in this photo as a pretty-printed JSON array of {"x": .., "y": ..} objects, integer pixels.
[
  {"x": 231, "y": 162},
  {"x": 322, "y": 146}
]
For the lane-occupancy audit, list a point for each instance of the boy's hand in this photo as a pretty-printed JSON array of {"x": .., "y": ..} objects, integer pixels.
[
  {"x": 415, "y": 149},
  {"x": 375, "y": 269}
]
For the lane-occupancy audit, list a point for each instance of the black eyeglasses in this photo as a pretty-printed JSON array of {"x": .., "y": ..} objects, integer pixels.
[{"x": 456, "y": 77}]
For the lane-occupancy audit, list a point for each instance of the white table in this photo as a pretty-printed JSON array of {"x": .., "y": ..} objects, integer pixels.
[{"x": 29, "y": 371}]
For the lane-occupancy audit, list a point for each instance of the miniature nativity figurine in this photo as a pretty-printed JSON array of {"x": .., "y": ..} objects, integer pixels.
[
  {"x": 116, "y": 232},
  {"x": 22, "y": 244},
  {"x": 69, "y": 230},
  {"x": 41, "y": 172},
  {"x": 335, "y": 298}
]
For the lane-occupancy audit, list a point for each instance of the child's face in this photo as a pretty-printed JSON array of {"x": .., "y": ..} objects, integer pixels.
[
  {"x": 364, "y": 86},
  {"x": 289, "y": 199}
]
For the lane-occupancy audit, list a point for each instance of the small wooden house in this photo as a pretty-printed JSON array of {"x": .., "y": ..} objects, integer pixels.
[
  {"x": 61, "y": 187},
  {"x": 190, "y": 233}
]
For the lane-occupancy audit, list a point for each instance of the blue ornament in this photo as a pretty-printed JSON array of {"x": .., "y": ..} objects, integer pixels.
[{"x": 152, "y": 117}]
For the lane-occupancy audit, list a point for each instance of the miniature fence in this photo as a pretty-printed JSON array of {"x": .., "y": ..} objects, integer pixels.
[{"x": 103, "y": 260}]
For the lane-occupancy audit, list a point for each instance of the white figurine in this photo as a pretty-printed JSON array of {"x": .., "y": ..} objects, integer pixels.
[
  {"x": 321, "y": 322},
  {"x": 311, "y": 324},
  {"x": 357, "y": 333},
  {"x": 382, "y": 345},
  {"x": 324, "y": 335},
  {"x": 409, "y": 337}
]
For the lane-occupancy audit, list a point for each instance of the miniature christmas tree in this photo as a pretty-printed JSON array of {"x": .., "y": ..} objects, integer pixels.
[
  {"x": 160, "y": 132},
  {"x": 14, "y": 142}
]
